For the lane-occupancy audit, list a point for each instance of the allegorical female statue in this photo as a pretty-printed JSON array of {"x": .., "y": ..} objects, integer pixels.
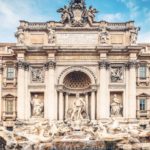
[
  {"x": 37, "y": 106},
  {"x": 116, "y": 107}
]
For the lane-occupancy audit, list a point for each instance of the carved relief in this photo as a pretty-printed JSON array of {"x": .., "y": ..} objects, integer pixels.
[
  {"x": 116, "y": 74},
  {"x": 104, "y": 36},
  {"x": 116, "y": 106},
  {"x": 37, "y": 106},
  {"x": 37, "y": 75}
]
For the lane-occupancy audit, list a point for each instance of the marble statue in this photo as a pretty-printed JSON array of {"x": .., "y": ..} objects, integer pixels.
[
  {"x": 76, "y": 14},
  {"x": 20, "y": 36},
  {"x": 51, "y": 36},
  {"x": 134, "y": 35},
  {"x": 116, "y": 107},
  {"x": 79, "y": 106},
  {"x": 90, "y": 14},
  {"x": 37, "y": 106},
  {"x": 104, "y": 36},
  {"x": 65, "y": 14},
  {"x": 116, "y": 74}
]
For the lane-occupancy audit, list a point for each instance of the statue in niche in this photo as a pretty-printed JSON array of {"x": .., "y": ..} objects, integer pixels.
[
  {"x": 104, "y": 36},
  {"x": 133, "y": 35},
  {"x": 116, "y": 74},
  {"x": 37, "y": 75},
  {"x": 20, "y": 36},
  {"x": 78, "y": 112},
  {"x": 65, "y": 14},
  {"x": 51, "y": 36},
  {"x": 116, "y": 107},
  {"x": 37, "y": 106}
]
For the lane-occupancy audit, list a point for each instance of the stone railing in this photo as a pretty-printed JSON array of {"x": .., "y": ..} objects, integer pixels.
[{"x": 143, "y": 114}]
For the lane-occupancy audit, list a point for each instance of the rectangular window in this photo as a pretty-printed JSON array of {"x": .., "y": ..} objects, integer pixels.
[
  {"x": 142, "y": 72},
  {"x": 142, "y": 104},
  {"x": 9, "y": 106},
  {"x": 10, "y": 73}
]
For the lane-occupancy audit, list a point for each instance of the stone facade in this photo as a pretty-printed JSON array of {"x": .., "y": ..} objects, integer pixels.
[{"x": 52, "y": 62}]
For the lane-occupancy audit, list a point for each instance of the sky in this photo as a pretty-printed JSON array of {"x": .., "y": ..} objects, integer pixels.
[{"x": 11, "y": 11}]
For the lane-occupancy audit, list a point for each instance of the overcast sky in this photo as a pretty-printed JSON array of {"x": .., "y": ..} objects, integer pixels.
[{"x": 11, "y": 11}]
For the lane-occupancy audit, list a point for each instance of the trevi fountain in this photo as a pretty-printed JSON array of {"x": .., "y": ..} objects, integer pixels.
[{"x": 77, "y": 84}]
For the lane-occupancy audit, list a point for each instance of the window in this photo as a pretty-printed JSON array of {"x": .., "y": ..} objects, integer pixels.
[
  {"x": 10, "y": 73},
  {"x": 142, "y": 104},
  {"x": 142, "y": 72},
  {"x": 9, "y": 106}
]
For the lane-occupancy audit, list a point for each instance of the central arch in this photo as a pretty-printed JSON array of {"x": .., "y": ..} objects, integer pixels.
[{"x": 75, "y": 80}]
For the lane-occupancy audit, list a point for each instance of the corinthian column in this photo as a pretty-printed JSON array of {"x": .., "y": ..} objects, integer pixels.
[
  {"x": 132, "y": 89},
  {"x": 103, "y": 110},
  {"x": 93, "y": 105},
  {"x": 51, "y": 103},
  {"x": 1, "y": 71},
  {"x": 21, "y": 91}
]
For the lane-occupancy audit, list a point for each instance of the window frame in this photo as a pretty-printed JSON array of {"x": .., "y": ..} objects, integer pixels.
[
  {"x": 10, "y": 75},
  {"x": 143, "y": 72}
]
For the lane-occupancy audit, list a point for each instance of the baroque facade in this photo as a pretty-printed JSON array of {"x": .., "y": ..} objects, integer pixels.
[{"x": 56, "y": 68}]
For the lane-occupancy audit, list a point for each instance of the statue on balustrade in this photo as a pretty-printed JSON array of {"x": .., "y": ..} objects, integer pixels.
[
  {"x": 20, "y": 36},
  {"x": 134, "y": 35},
  {"x": 78, "y": 112},
  {"x": 37, "y": 107},
  {"x": 116, "y": 107}
]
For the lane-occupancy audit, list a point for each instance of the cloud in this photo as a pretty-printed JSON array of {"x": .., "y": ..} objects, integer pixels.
[
  {"x": 112, "y": 17},
  {"x": 132, "y": 6}
]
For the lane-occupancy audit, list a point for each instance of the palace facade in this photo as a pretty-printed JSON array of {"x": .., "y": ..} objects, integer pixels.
[{"x": 53, "y": 62}]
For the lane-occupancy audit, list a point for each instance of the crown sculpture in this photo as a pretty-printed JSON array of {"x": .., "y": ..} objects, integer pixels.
[{"x": 77, "y": 14}]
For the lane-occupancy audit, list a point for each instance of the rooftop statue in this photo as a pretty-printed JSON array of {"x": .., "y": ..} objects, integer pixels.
[{"x": 76, "y": 14}]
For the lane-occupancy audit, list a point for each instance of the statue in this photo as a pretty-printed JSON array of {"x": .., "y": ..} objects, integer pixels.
[
  {"x": 90, "y": 14},
  {"x": 116, "y": 74},
  {"x": 37, "y": 106},
  {"x": 51, "y": 36},
  {"x": 79, "y": 107},
  {"x": 20, "y": 36},
  {"x": 133, "y": 36},
  {"x": 65, "y": 14},
  {"x": 116, "y": 107},
  {"x": 104, "y": 36}
]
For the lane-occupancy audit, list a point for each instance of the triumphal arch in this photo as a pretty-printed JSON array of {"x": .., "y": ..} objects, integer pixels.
[{"x": 78, "y": 70}]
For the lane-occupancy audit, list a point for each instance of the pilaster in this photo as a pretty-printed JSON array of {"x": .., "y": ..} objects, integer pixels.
[{"x": 1, "y": 73}]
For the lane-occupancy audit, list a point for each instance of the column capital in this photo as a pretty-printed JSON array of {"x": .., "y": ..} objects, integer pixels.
[
  {"x": 104, "y": 64},
  {"x": 23, "y": 65},
  {"x": 132, "y": 64},
  {"x": 50, "y": 65}
]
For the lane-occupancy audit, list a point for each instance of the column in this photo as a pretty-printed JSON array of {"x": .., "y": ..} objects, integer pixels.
[
  {"x": 1, "y": 72},
  {"x": 67, "y": 103},
  {"x": 51, "y": 103},
  {"x": 27, "y": 99},
  {"x": 93, "y": 105},
  {"x": 103, "y": 110},
  {"x": 61, "y": 106},
  {"x": 87, "y": 103},
  {"x": 132, "y": 89},
  {"x": 21, "y": 91}
]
